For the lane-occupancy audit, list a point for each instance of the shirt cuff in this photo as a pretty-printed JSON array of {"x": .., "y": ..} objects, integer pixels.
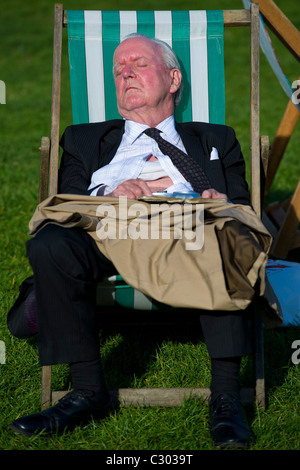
[{"x": 101, "y": 190}]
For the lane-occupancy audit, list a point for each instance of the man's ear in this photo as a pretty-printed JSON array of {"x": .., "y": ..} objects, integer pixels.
[{"x": 176, "y": 80}]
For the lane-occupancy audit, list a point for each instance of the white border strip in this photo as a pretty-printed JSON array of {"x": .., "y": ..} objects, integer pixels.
[
  {"x": 128, "y": 23},
  {"x": 141, "y": 301},
  {"x": 94, "y": 65},
  {"x": 199, "y": 76},
  {"x": 163, "y": 26}
]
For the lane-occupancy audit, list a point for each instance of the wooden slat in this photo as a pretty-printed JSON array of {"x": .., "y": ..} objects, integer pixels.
[
  {"x": 231, "y": 18},
  {"x": 255, "y": 123},
  {"x": 264, "y": 156},
  {"x": 55, "y": 110},
  {"x": 281, "y": 26},
  {"x": 259, "y": 363},
  {"x": 265, "y": 152},
  {"x": 280, "y": 142},
  {"x": 44, "y": 168},
  {"x": 46, "y": 395},
  {"x": 165, "y": 397},
  {"x": 236, "y": 18},
  {"x": 289, "y": 227}
]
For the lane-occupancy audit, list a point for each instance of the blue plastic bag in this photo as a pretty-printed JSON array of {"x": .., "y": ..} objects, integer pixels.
[{"x": 284, "y": 279}]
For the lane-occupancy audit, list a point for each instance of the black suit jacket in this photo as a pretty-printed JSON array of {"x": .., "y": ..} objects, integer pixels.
[{"x": 88, "y": 147}]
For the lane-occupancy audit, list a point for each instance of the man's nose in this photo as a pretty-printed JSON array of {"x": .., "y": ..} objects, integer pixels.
[{"x": 128, "y": 71}]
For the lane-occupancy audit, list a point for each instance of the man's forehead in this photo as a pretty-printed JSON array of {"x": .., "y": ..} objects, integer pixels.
[{"x": 134, "y": 48}]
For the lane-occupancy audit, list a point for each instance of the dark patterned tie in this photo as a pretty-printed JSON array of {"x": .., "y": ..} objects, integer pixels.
[{"x": 190, "y": 169}]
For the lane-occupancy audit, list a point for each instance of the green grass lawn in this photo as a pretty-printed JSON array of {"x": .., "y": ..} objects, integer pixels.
[{"x": 137, "y": 358}]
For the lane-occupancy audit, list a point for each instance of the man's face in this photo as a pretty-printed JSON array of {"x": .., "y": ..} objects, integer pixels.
[{"x": 143, "y": 83}]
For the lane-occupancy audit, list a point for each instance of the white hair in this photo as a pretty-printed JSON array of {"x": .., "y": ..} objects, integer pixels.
[{"x": 169, "y": 57}]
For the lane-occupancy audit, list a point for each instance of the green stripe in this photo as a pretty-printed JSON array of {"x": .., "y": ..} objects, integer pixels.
[
  {"x": 181, "y": 47},
  {"x": 145, "y": 23},
  {"x": 77, "y": 66},
  {"x": 216, "y": 76},
  {"x": 124, "y": 296},
  {"x": 111, "y": 39}
]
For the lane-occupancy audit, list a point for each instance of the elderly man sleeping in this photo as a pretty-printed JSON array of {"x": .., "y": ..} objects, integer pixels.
[{"x": 145, "y": 154}]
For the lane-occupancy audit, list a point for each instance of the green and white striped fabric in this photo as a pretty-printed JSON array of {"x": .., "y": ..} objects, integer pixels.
[
  {"x": 113, "y": 291},
  {"x": 195, "y": 36}
]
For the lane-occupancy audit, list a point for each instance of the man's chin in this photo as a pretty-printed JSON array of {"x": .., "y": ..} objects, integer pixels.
[{"x": 132, "y": 111}]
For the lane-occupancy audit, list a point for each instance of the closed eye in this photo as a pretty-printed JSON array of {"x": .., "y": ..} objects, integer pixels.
[
  {"x": 117, "y": 70},
  {"x": 141, "y": 63},
  {"x": 138, "y": 63}
]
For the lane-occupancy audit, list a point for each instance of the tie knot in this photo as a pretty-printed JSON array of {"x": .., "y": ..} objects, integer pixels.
[{"x": 152, "y": 132}]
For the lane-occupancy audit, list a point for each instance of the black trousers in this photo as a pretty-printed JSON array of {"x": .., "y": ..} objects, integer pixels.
[{"x": 67, "y": 266}]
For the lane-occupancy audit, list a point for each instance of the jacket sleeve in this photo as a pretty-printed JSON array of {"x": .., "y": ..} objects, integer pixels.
[
  {"x": 86, "y": 148},
  {"x": 234, "y": 168},
  {"x": 74, "y": 173}
]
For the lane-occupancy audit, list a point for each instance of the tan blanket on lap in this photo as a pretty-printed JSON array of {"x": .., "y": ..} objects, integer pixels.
[{"x": 194, "y": 253}]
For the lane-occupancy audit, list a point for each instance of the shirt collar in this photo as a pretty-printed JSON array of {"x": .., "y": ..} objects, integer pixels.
[{"x": 133, "y": 130}]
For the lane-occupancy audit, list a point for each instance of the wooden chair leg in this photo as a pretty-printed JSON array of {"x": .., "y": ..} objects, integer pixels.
[
  {"x": 259, "y": 363},
  {"x": 46, "y": 395},
  {"x": 44, "y": 168}
]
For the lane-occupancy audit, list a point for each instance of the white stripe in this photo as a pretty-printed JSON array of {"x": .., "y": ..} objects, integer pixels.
[
  {"x": 94, "y": 65},
  {"x": 199, "y": 77},
  {"x": 141, "y": 301},
  {"x": 128, "y": 23},
  {"x": 163, "y": 26}
]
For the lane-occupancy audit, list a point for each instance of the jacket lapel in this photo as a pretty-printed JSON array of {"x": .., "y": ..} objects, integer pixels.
[
  {"x": 109, "y": 145},
  {"x": 197, "y": 149},
  {"x": 192, "y": 145}
]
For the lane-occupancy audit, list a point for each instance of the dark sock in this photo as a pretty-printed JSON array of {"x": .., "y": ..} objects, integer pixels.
[
  {"x": 88, "y": 378},
  {"x": 225, "y": 376},
  {"x": 21, "y": 318},
  {"x": 30, "y": 312}
]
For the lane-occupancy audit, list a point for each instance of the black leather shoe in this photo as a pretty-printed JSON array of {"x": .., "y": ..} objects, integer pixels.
[
  {"x": 21, "y": 318},
  {"x": 228, "y": 424},
  {"x": 72, "y": 410}
]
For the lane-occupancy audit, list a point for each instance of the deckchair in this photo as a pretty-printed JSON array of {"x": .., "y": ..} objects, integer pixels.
[
  {"x": 281, "y": 218},
  {"x": 92, "y": 37}
]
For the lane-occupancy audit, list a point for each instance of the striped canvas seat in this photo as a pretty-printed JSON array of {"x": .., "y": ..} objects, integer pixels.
[
  {"x": 114, "y": 291},
  {"x": 197, "y": 39},
  {"x": 195, "y": 36}
]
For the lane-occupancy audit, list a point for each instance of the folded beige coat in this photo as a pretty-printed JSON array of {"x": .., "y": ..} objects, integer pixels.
[{"x": 191, "y": 253}]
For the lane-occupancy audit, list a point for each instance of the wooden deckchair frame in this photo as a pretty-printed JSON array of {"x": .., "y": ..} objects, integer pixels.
[
  {"x": 259, "y": 156},
  {"x": 284, "y": 215}
]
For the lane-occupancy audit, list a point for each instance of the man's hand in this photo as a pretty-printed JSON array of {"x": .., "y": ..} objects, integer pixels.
[
  {"x": 213, "y": 194},
  {"x": 132, "y": 189},
  {"x": 159, "y": 184},
  {"x": 135, "y": 188}
]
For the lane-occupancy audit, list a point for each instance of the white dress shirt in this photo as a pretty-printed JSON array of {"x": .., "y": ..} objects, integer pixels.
[{"x": 130, "y": 161}]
